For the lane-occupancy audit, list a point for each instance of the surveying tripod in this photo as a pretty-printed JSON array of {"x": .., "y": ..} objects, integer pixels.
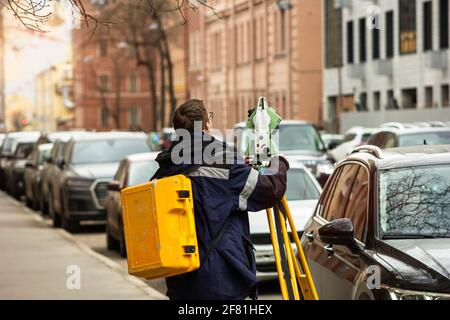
[{"x": 294, "y": 276}]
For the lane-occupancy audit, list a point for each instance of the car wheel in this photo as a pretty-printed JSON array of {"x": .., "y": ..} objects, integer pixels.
[
  {"x": 122, "y": 245},
  {"x": 111, "y": 242},
  {"x": 68, "y": 224},
  {"x": 51, "y": 211},
  {"x": 28, "y": 202},
  {"x": 43, "y": 206}
]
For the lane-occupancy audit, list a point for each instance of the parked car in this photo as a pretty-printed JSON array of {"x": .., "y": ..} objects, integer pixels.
[
  {"x": 32, "y": 175},
  {"x": 303, "y": 191},
  {"x": 2, "y": 138},
  {"x": 385, "y": 215},
  {"x": 50, "y": 167},
  {"x": 352, "y": 138},
  {"x": 299, "y": 141},
  {"x": 332, "y": 141},
  {"x": 7, "y": 151},
  {"x": 133, "y": 170},
  {"x": 408, "y": 137},
  {"x": 15, "y": 168},
  {"x": 89, "y": 162}
]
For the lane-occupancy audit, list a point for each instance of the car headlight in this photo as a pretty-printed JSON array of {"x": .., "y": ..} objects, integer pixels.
[
  {"x": 401, "y": 294},
  {"x": 79, "y": 183},
  {"x": 324, "y": 168}
]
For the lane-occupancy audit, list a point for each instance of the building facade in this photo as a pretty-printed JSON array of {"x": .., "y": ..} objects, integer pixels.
[
  {"x": 54, "y": 107},
  {"x": 385, "y": 61},
  {"x": 257, "y": 48}
]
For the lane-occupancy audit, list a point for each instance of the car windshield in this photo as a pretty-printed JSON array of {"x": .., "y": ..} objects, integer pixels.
[
  {"x": 415, "y": 202},
  {"x": 142, "y": 171},
  {"x": 299, "y": 137},
  {"x": 7, "y": 146},
  {"x": 300, "y": 186},
  {"x": 43, "y": 155},
  {"x": 424, "y": 138},
  {"x": 101, "y": 151}
]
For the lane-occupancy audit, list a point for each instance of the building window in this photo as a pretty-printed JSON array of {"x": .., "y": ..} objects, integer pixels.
[
  {"x": 133, "y": 83},
  {"x": 104, "y": 117},
  {"x": 134, "y": 118},
  {"x": 389, "y": 34},
  {"x": 333, "y": 35},
  {"x": 350, "y": 44},
  {"x": 363, "y": 102},
  {"x": 362, "y": 40},
  {"x": 376, "y": 101},
  {"x": 407, "y": 16},
  {"x": 427, "y": 26},
  {"x": 409, "y": 98},
  {"x": 103, "y": 47},
  {"x": 429, "y": 97},
  {"x": 375, "y": 44},
  {"x": 104, "y": 83},
  {"x": 443, "y": 24},
  {"x": 445, "y": 96},
  {"x": 280, "y": 31}
]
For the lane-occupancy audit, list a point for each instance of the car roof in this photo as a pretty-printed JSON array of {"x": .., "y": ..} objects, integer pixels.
[
  {"x": 142, "y": 157},
  {"x": 45, "y": 146},
  {"x": 403, "y": 157},
  {"x": 412, "y": 130},
  {"x": 66, "y": 135},
  {"x": 19, "y": 134},
  {"x": 94, "y": 136}
]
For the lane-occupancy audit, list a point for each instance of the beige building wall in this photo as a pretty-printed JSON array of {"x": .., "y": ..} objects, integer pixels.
[{"x": 255, "y": 49}]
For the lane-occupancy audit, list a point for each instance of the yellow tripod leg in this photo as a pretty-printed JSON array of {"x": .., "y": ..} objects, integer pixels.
[
  {"x": 290, "y": 256},
  {"x": 301, "y": 254},
  {"x": 276, "y": 252}
]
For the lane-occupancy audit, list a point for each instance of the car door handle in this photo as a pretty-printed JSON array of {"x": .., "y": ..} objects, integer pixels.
[
  {"x": 329, "y": 249},
  {"x": 310, "y": 236}
]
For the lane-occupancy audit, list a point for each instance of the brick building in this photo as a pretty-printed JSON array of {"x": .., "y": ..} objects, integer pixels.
[{"x": 270, "y": 48}]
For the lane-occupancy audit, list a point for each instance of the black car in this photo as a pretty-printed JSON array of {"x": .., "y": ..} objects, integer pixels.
[
  {"x": 381, "y": 229},
  {"x": 89, "y": 162},
  {"x": 7, "y": 151},
  {"x": 299, "y": 141},
  {"x": 133, "y": 170},
  {"x": 409, "y": 136},
  {"x": 33, "y": 174},
  {"x": 15, "y": 168}
]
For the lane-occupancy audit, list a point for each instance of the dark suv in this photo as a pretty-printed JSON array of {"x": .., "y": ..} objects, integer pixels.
[
  {"x": 381, "y": 228},
  {"x": 393, "y": 137},
  {"x": 78, "y": 192}
]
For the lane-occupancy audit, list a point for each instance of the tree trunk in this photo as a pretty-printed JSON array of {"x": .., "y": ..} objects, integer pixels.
[
  {"x": 118, "y": 83},
  {"x": 152, "y": 83},
  {"x": 162, "y": 63}
]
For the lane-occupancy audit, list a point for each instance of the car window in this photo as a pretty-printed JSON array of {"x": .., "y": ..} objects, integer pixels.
[
  {"x": 103, "y": 151},
  {"x": 428, "y": 138},
  {"x": 328, "y": 191},
  {"x": 298, "y": 137},
  {"x": 349, "y": 137},
  {"x": 23, "y": 150},
  {"x": 365, "y": 137},
  {"x": 390, "y": 141},
  {"x": 336, "y": 205},
  {"x": 357, "y": 204},
  {"x": 142, "y": 171},
  {"x": 300, "y": 186}
]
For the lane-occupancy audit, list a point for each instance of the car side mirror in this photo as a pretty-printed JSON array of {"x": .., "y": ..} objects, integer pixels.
[
  {"x": 339, "y": 232},
  {"x": 114, "y": 186}
]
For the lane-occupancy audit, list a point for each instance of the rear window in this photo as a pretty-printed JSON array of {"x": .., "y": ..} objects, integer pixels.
[
  {"x": 103, "y": 151},
  {"x": 300, "y": 186},
  {"x": 142, "y": 171},
  {"x": 424, "y": 138}
]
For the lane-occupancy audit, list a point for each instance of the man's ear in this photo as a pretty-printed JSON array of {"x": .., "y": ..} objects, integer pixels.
[{"x": 208, "y": 126}]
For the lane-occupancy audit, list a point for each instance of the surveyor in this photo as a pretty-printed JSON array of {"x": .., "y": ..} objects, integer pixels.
[{"x": 224, "y": 190}]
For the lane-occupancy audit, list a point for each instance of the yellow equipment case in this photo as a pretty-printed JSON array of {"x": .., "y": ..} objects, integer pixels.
[{"x": 159, "y": 228}]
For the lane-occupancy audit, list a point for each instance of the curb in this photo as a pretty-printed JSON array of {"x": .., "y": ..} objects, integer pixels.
[{"x": 152, "y": 293}]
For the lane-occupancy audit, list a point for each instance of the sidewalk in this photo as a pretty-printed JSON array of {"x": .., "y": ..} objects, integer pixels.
[{"x": 34, "y": 260}]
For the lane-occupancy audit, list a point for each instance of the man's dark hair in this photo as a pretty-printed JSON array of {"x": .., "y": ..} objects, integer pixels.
[{"x": 189, "y": 112}]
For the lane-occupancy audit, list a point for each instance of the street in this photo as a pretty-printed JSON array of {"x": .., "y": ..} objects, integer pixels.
[{"x": 36, "y": 256}]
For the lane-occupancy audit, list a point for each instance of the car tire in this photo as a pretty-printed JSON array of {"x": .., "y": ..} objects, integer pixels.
[
  {"x": 43, "y": 206},
  {"x": 122, "y": 244},
  {"x": 70, "y": 225},
  {"x": 28, "y": 202},
  {"x": 111, "y": 242},
  {"x": 56, "y": 218}
]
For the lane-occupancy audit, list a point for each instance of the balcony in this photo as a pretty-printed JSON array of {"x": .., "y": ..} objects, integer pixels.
[
  {"x": 437, "y": 60},
  {"x": 341, "y": 4},
  {"x": 384, "y": 68},
  {"x": 356, "y": 71}
]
